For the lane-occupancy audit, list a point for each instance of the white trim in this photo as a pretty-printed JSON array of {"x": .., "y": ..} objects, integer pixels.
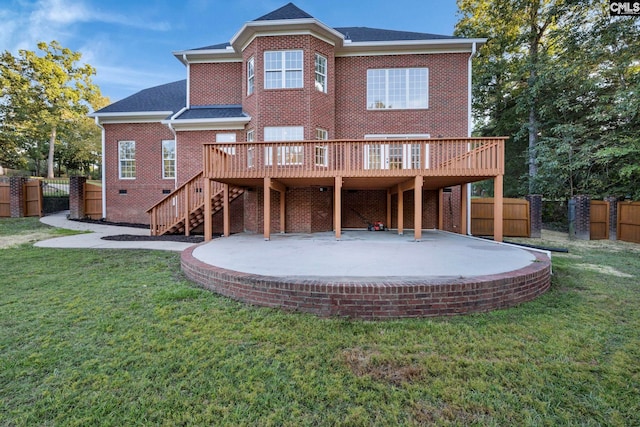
[
  {"x": 282, "y": 33},
  {"x": 188, "y": 94},
  {"x": 379, "y": 52},
  {"x": 103, "y": 155},
  {"x": 245, "y": 35}
]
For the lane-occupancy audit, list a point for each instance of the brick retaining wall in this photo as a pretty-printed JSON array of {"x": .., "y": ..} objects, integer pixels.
[{"x": 375, "y": 298}]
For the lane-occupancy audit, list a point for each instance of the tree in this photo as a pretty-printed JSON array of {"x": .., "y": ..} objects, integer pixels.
[
  {"x": 43, "y": 94},
  {"x": 560, "y": 77}
]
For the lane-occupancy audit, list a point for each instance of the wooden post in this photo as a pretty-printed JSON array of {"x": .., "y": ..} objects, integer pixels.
[
  {"x": 441, "y": 209},
  {"x": 226, "y": 214},
  {"x": 388, "y": 223},
  {"x": 400, "y": 211},
  {"x": 267, "y": 208},
  {"x": 337, "y": 207},
  {"x": 497, "y": 208},
  {"x": 417, "y": 213},
  {"x": 283, "y": 212},
  {"x": 463, "y": 208},
  {"x": 208, "y": 213},
  {"x": 187, "y": 209}
]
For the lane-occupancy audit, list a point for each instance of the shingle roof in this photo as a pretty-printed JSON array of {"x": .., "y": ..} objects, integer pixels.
[
  {"x": 288, "y": 11},
  {"x": 167, "y": 97},
  {"x": 214, "y": 46},
  {"x": 212, "y": 112},
  {"x": 366, "y": 34}
]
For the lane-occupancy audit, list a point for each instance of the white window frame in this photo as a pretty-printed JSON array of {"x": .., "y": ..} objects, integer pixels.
[
  {"x": 227, "y": 138},
  {"x": 130, "y": 168},
  {"x": 288, "y": 155},
  {"x": 283, "y": 69},
  {"x": 379, "y": 156},
  {"x": 387, "y": 94},
  {"x": 166, "y": 160},
  {"x": 321, "y": 81},
  {"x": 251, "y": 74},
  {"x": 321, "y": 152}
]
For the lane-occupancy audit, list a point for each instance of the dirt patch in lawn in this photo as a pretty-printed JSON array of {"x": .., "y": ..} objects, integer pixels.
[
  {"x": 604, "y": 269},
  {"x": 19, "y": 239}
]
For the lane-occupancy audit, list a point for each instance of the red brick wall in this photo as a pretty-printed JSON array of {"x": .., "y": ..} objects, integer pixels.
[
  {"x": 305, "y": 106},
  {"x": 225, "y": 88},
  {"x": 447, "y": 112},
  {"x": 146, "y": 189},
  {"x": 422, "y": 297}
]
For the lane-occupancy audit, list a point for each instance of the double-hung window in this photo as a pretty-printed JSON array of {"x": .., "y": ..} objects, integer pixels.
[
  {"x": 251, "y": 149},
  {"x": 321, "y": 150},
  {"x": 321, "y": 73},
  {"x": 251, "y": 71},
  {"x": 287, "y": 154},
  {"x": 283, "y": 69},
  {"x": 168, "y": 159},
  {"x": 126, "y": 159},
  {"x": 397, "y": 88}
]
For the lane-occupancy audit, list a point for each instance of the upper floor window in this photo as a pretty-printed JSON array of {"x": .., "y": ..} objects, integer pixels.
[
  {"x": 126, "y": 159},
  {"x": 321, "y": 73},
  {"x": 286, "y": 154},
  {"x": 223, "y": 138},
  {"x": 321, "y": 151},
  {"x": 168, "y": 159},
  {"x": 283, "y": 69},
  {"x": 251, "y": 135},
  {"x": 250, "y": 75},
  {"x": 397, "y": 88}
]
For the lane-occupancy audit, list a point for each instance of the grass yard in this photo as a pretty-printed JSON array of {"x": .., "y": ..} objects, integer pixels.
[{"x": 105, "y": 337}]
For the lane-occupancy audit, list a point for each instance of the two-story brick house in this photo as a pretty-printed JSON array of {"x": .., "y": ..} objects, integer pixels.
[{"x": 311, "y": 127}]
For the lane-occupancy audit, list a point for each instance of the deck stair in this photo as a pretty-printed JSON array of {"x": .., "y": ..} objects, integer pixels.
[{"x": 181, "y": 211}]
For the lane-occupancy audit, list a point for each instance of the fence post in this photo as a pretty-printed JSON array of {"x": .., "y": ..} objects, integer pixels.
[
  {"x": 581, "y": 228},
  {"x": 17, "y": 196},
  {"x": 76, "y": 197},
  {"x": 535, "y": 214},
  {"x": 613, "y": 217}
]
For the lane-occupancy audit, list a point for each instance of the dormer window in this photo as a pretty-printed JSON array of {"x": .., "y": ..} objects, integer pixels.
[{"x": 283, "y": 69}]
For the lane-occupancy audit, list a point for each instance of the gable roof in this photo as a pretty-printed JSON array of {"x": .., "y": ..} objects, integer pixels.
[
  {"x": 288, "y": 11},
  {"x": 166, "y": 98}
]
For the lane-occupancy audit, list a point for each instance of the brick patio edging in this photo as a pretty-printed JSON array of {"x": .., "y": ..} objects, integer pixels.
[{"x": 375, "y": 298}]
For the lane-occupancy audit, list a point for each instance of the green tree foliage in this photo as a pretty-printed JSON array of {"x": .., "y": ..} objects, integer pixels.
[
  {"x": 44, "y": 99},
  {"x": 562, "y": 78}
]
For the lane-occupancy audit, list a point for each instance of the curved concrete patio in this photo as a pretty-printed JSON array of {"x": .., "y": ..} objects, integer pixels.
[{"x": 370, "y": 274}]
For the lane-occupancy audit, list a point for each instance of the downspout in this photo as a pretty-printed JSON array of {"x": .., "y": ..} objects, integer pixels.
[
  {"x": 175, "y": 138},
  {"x": 186, "y": 61},
  {"x": 102, "y": 170},
  {"x": 474, "y": 53}
]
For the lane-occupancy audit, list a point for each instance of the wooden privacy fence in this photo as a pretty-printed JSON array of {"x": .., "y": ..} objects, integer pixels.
[
  {"x": 516, "y": 217},
  {"x": 92, "y": 201},
  {"x": 599, "y": 220},
  {"x": 5, "y": 199},
  {"x": 32, "y": 193},
  {"x": 629, "y": 221}
]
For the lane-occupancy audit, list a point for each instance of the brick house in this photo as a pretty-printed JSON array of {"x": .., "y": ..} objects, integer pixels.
[{"x": 294, "y": 126}]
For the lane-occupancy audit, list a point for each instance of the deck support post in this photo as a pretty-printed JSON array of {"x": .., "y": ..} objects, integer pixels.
[
  {"x": 267, "y": 208},
  {"x": 417, "y": 211},
  {"x": 187, "y": 213},
  {"x": 337, "y": 207},
  {"x": 226, "y": 215},
  {"x": 208, "y": 211},
  {"x": 463, "y": 208},
  {"x": 388, "y": 223},
  {"x": 400, "y": 211},
  {"x": 441, "y": 209},
  {"x": 283, "y": 223},
  {"x": 497, "y": 208}
]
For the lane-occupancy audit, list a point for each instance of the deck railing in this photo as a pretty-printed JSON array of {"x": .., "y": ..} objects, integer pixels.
[{"x": 355, "y": 158}]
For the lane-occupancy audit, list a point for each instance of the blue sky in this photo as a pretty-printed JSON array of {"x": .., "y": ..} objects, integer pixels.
[{"x": 130, "y": 42}]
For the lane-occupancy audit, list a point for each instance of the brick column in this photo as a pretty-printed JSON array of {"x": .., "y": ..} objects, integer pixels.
[
  {"x": 535, "y": 214},
  {"x": 581, "y": 228},
  {"x": 17, "y": 196},
  {"x": 613, "y": 217},
  {"x": 76, "y": 197}
]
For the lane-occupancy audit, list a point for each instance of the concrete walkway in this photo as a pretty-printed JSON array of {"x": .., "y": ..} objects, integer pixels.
[
  {"x": 93, "y": 239},
  {"x": 363, "y": 254}
]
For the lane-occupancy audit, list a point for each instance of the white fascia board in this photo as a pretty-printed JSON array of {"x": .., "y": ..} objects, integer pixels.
[
  {"x": 131, "y": 116},
  {"x": 287, "y": 32},
  {"x": 286, "y": 26},
  {"x": 404, "y": 47},
  {"x": 235, "y": 123},
  {"x": 207, "y": 55}
]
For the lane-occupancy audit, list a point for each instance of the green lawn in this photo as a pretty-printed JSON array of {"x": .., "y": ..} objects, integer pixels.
[{"x": 105, "y": 337}]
